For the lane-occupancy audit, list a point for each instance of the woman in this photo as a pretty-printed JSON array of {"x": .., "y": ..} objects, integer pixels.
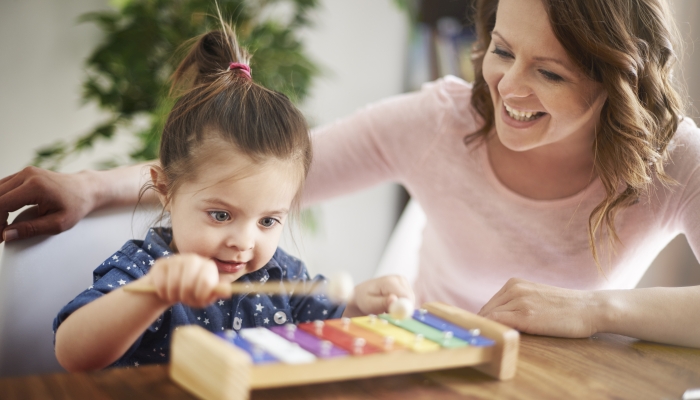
[{"x": 549, "y": 186}]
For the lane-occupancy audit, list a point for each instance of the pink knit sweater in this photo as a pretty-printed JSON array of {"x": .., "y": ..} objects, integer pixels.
[{"x": 478, "y": 232}]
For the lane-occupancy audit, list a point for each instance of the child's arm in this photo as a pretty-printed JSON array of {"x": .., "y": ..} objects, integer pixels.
[
  {"x": 376, "y": 295},
  {"x": 99, "y": 333}
]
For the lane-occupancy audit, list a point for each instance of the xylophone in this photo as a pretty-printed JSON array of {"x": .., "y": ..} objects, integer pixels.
[{"x": 230, "y": 364}]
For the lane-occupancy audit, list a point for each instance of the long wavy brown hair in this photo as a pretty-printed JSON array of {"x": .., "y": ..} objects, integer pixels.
[{"x": 628, "y": 47}]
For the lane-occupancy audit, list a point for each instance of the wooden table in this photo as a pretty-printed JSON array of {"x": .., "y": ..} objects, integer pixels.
[{"x": 602, "y": 367}]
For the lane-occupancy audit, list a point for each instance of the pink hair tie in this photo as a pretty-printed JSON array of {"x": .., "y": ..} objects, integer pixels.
[{"x": 244, "y": 67}]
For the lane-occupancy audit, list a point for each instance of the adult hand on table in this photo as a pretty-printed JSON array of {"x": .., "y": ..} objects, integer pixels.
[
  {"x": 541, "y": 309},
  {"x": 61, "y": 201}
]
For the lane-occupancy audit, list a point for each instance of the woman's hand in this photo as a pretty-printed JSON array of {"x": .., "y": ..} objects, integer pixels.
[
  {"x": 61, "y": 199},
  {"x": 544, "y": 310},
  {"x": 188, "y": 279},
  {"x": 376, "y": 295}
]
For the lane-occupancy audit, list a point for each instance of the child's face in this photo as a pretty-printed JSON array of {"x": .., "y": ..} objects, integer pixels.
[{"x": 233, "y": 212}]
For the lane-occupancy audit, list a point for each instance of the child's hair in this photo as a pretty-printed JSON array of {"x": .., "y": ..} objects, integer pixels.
[{"x": 220, "y": 104}]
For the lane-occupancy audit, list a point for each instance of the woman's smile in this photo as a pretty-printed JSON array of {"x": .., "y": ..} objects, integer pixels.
[{"x": 520, "y": 119}]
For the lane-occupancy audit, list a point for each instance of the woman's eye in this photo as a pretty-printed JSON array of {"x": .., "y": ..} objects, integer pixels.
[
  {"x": 220, "y": 216},
  {"x": 268, "y": 222},
  {"x": 501, "y": 53},
  {"x": 551, "y": 76}
]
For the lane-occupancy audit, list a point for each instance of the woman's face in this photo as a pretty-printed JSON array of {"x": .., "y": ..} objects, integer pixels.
[{"x": 539, "y": 96}]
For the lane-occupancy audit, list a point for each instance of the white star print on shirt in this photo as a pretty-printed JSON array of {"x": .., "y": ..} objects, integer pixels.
[
  {"x": 151, "y": 262},
  {"x": 259, "y": 307},
  {"x": 121, "y": 282},
  {"x": 115, "y": 258},
  {"x": 206, "y": 321},
  {"x": 166, "y": 252},
  {"x": 221, "y": 302},
  {"x": 266, "y": 320},
  {"x": 149, "y": 247},
  {"x": 325, "y": 312}
]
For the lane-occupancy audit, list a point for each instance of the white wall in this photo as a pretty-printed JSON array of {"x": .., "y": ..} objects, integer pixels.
[
  {"x": 42, "y": 50},
  {"x": 362, "y": 43}
]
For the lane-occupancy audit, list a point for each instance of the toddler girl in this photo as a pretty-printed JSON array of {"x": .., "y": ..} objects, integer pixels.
[{"x": 233, "y": 159}]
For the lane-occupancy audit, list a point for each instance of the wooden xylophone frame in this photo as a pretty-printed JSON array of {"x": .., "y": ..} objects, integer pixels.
[{"x": 211, "y": 368}]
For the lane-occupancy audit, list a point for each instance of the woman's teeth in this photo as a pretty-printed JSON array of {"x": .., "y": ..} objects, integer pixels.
[{"x": 522, "y": 116}]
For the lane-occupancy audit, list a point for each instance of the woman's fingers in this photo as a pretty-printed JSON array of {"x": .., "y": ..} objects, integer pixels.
[
  {"x": 50, "y": 224},
  {"x": 513, "y": 288},
  {"x": 541, "y": 309},
  {"x": 6, "y": 179},
  {"x": 59, "y": 199}
]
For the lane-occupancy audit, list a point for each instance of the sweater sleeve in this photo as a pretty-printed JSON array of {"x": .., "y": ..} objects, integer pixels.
[{"x": 382, "y": 141}]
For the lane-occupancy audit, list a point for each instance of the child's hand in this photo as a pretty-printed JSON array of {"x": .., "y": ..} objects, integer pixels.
[
  {"x": 188, "y": 279},
  {"x": 376, "y": 295}
]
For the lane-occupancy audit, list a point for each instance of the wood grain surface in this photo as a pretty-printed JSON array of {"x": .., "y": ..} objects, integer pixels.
[{"x": 602, "y": 367}]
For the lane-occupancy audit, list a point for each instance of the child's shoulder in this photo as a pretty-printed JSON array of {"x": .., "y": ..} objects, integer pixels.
[
  {"x": 139, "y": 255},
  {"x": 290, "y": 266}
]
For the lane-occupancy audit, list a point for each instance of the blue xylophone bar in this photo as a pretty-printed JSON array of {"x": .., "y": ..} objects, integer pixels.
[
  {"x": 257, "y": 354},
  {"x": 470, "y": 336}
]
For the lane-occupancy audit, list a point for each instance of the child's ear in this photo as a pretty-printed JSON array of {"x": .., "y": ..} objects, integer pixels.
[{"x": 160, "y": 183}]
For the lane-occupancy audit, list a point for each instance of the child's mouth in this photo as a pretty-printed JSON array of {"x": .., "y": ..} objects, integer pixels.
[{"x": 229, "y": 267}]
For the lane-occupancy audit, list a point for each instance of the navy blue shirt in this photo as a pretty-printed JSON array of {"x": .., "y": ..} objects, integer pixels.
[{"x": 239, "y": 311}]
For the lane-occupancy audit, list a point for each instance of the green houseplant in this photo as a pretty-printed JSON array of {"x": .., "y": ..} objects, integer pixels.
[{"x": 127, "y": 74}]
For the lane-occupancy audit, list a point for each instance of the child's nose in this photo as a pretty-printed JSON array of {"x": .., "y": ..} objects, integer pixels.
[{"x": 241, "y": 238}]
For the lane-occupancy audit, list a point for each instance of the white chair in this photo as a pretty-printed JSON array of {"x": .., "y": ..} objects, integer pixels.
[
  {"x": 401, "y": 254},
  {"x": 39, "y": 276}
]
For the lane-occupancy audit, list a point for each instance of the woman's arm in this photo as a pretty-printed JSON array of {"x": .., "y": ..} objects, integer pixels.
[
  {"x": 99, "y": 333},
  {"x": 63, "y": 199},
  {"x": 660, "y": 314},
  {"x": 387, "y": 140},
  {"x": 664, "y": 315}
]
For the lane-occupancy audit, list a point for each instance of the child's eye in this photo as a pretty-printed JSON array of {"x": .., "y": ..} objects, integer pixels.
[
  {"x": 501, "y": 53},
  {"x": 550, "y": 76},
  {"x": 268, "y": 222},
  {"x": 220, "y": 216}
]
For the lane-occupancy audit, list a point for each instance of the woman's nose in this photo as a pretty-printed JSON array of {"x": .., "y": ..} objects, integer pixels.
[{"x": 514, "y": 83}]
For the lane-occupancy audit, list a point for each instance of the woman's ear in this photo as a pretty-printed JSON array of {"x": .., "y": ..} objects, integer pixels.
[{"x": 160, "y": 183}]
